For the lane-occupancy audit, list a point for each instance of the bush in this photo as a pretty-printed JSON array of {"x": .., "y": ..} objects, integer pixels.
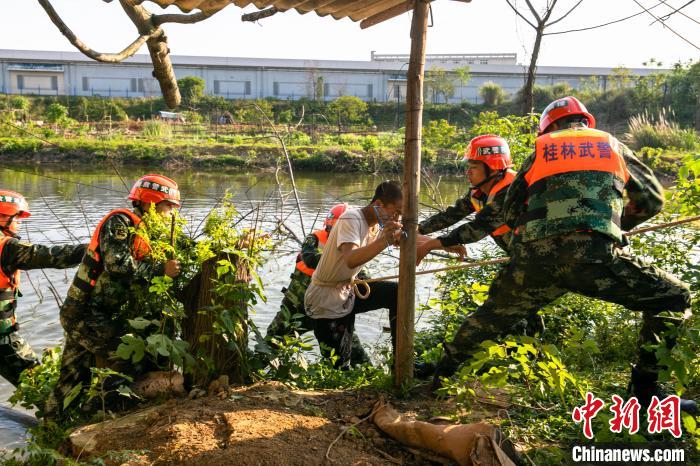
[
  {"x": 191, "y": 89},
  {"x": 347, "y": 110},
  {"x": 157, "y": 129},
  {"x": 56, "y": 113},
  {"x": 492, "y": 93},
  {"x": 659, "y": 132},
  {"x": 440, "y": 134}
]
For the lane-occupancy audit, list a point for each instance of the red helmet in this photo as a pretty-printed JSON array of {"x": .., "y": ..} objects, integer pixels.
[
  {"x": 490, "y": 149},
  {"x": 13, "y": 203},
  {"x": 334, "y": 214},
  {"x": 155, "y": 189},
  {"x": 562, "y": 108}
]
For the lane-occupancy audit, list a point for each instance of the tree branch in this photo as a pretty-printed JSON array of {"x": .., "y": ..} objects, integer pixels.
[
  {"x": 548, "y": 11},
  {"x": 257, "y": 15},
  {"x": 565, "y": 14},
  {"x": 185, "y": 19},
  {"x": 534, "y": 12},
  {"x": 130, "y": 50},
  {"x": 520, "y": 14}
]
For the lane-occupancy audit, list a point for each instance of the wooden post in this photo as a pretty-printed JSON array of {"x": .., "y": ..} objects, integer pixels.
[{"x": 403, "y": 370}]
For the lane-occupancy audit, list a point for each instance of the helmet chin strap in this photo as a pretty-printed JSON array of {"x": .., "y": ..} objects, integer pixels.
[
  {"x": 487, "y": 179},
  {"x": 6, "y": 228}
]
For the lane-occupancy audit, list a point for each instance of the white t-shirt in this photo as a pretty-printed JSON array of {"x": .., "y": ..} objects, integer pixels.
[{"x": 330, "y": 295}]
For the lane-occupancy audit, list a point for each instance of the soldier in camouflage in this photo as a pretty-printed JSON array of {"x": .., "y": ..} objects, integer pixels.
[
  {"x": 15, "y": 353},
  {"x": 488, "y": 170},
  {"x": 94, "y": 314},
  {"x": 489, "y": 173},
  {"x": 567, "y": 209},
  {"x": 291, "y": 316}
]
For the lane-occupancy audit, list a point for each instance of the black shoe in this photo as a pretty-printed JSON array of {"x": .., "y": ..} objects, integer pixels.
[
  {"x": 644, "y": 386},
  {"x": 445, "y": 368},
  {"x": 424, "y": 370}
]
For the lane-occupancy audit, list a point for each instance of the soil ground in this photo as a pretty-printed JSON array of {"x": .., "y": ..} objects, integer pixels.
[{"x": 265, "y": 424}]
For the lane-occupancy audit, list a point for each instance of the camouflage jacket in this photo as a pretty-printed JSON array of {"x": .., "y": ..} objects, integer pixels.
[
  {"x": 18, "y": 255},
  {"x": 644, "y": 200},
  {"x": 98, "y": 323},
  {"x": 483, "y": 224}
]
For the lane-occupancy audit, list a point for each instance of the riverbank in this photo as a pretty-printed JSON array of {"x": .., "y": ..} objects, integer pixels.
[{"x": 216, "y": 155}]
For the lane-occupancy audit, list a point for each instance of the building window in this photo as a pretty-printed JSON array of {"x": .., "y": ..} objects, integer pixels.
[
  {"x": 20, "y": 82},
  {"x": 370, "y": 90},
  {"x": 275, "y": 88},
  {"x": 86, "y": 84},
  {"x": 247, "y": 88}
]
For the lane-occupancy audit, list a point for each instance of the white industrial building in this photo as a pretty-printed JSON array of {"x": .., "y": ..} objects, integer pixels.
[{"x": 380, "y": 79}]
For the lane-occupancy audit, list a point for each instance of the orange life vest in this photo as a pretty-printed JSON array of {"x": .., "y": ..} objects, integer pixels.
[
  {"x": 502, "y": 184},
  {"x": 9, "y": 287},
  {"x": 322, "y": 236},
  {"x": 575, "y": 183},
  {"x": 91, "y": 266}
]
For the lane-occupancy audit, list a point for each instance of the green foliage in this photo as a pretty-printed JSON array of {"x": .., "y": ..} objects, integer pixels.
[
  {"x": 369, "y": 144},
  {"x": 191, "y": 89},
  {"x": 441, "y": 134},
  {"x": 660, "y": 131},
  {"x": 37, "y": 383},
  {"x": 19, "y": 102},
  {"x": 56, "y": 113},
  {"x": 157, "y": 129},
  {"x": 99, "y": 386},
  {"x": 518, "y": 131},
  {"x": 492, "y": 93},
  {"x": 348, "y": 110}
]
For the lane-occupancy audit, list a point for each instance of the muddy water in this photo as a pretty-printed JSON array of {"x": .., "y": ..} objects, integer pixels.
[{"x": 67, "y": 203}]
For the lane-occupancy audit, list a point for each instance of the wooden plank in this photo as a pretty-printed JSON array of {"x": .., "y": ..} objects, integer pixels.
[
  {"x": 334, "y": 6},
  {"x": 403, "y": 369},
  {"x": 357, "y": 5},
  {"x": 287, "y": 4},
  {"x": 373, "y": 9},
  {"x": 311, "y": 5},
  {"x": 387, "y": 14}
]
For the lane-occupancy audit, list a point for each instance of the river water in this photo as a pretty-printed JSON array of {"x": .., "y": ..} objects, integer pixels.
[{"x": 67, "y": 202}]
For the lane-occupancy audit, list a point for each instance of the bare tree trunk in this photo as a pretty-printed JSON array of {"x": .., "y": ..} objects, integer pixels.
[{"x": 528, "y": 98}]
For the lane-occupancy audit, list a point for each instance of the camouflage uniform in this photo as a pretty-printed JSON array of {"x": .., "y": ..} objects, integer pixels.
[
  {"x": 291, "y": 316},
  {"x": 15, "y": 353},
  {"x": 94, "y": 322},
  {"x": 484, "y": 223},
  {"x": 545, "y": 266}
]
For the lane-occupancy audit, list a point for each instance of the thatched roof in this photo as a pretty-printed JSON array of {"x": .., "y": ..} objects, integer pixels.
[{"x": 370, "y": 12}]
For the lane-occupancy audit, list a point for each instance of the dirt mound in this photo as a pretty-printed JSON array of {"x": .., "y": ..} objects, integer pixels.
[{"x": 265, "y": 424}]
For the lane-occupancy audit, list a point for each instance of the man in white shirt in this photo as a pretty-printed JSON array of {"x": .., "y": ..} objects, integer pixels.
[{"x": 358, "y": 237}]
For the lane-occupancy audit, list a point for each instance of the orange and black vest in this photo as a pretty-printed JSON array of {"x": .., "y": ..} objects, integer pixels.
[
  {"x": 91, "y": 266},
  {"x": 576, "y": 183},
  {"x": 322, "y": 237},
  {"x": 480, "y": 203},
  {"x": 9, "y": 289}
]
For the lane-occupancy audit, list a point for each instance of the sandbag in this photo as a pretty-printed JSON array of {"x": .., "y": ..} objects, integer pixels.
[{"x": 467, "y": 444}]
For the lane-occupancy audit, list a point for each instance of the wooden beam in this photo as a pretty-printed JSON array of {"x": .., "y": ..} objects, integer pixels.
[
  {"x": 403, "y": 369},
  {"x": 334, "y": 6},
  {"x": 287, "y": 4},
  {"x": 355, "y": 6},
  {"x": 387, "y": 14}
]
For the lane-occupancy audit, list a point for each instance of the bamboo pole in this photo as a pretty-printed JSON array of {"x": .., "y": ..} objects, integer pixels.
[{"x": 403, "y": 369}]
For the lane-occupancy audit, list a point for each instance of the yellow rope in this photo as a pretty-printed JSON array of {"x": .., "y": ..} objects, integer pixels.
[{"x": 506, "y": 259}]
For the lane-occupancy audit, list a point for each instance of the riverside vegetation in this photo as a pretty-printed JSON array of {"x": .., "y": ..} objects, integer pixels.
[{"x": 586, "y": 344}]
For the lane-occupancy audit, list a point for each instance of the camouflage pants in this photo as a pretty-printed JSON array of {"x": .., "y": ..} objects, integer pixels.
[
  {"x": 519, "y": 290},
  {"x": 15, "y": 356},
  {"x": 76, "y": 361},
  {"x": 281, "y": 325}
]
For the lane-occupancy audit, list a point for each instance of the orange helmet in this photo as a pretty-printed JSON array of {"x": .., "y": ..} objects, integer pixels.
[
  {"x": 334, "y": 214},
  {"x": 490, "y": 149},
  {"x": 13, "y": 203},
  {"x": 562, "y": 108},
  {"x": 155, "y": 189}
]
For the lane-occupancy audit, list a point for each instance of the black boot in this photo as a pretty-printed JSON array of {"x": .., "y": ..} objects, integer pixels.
[
  {"x": 445, "y": 368},
  {"x": 645, "y": 385}
]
